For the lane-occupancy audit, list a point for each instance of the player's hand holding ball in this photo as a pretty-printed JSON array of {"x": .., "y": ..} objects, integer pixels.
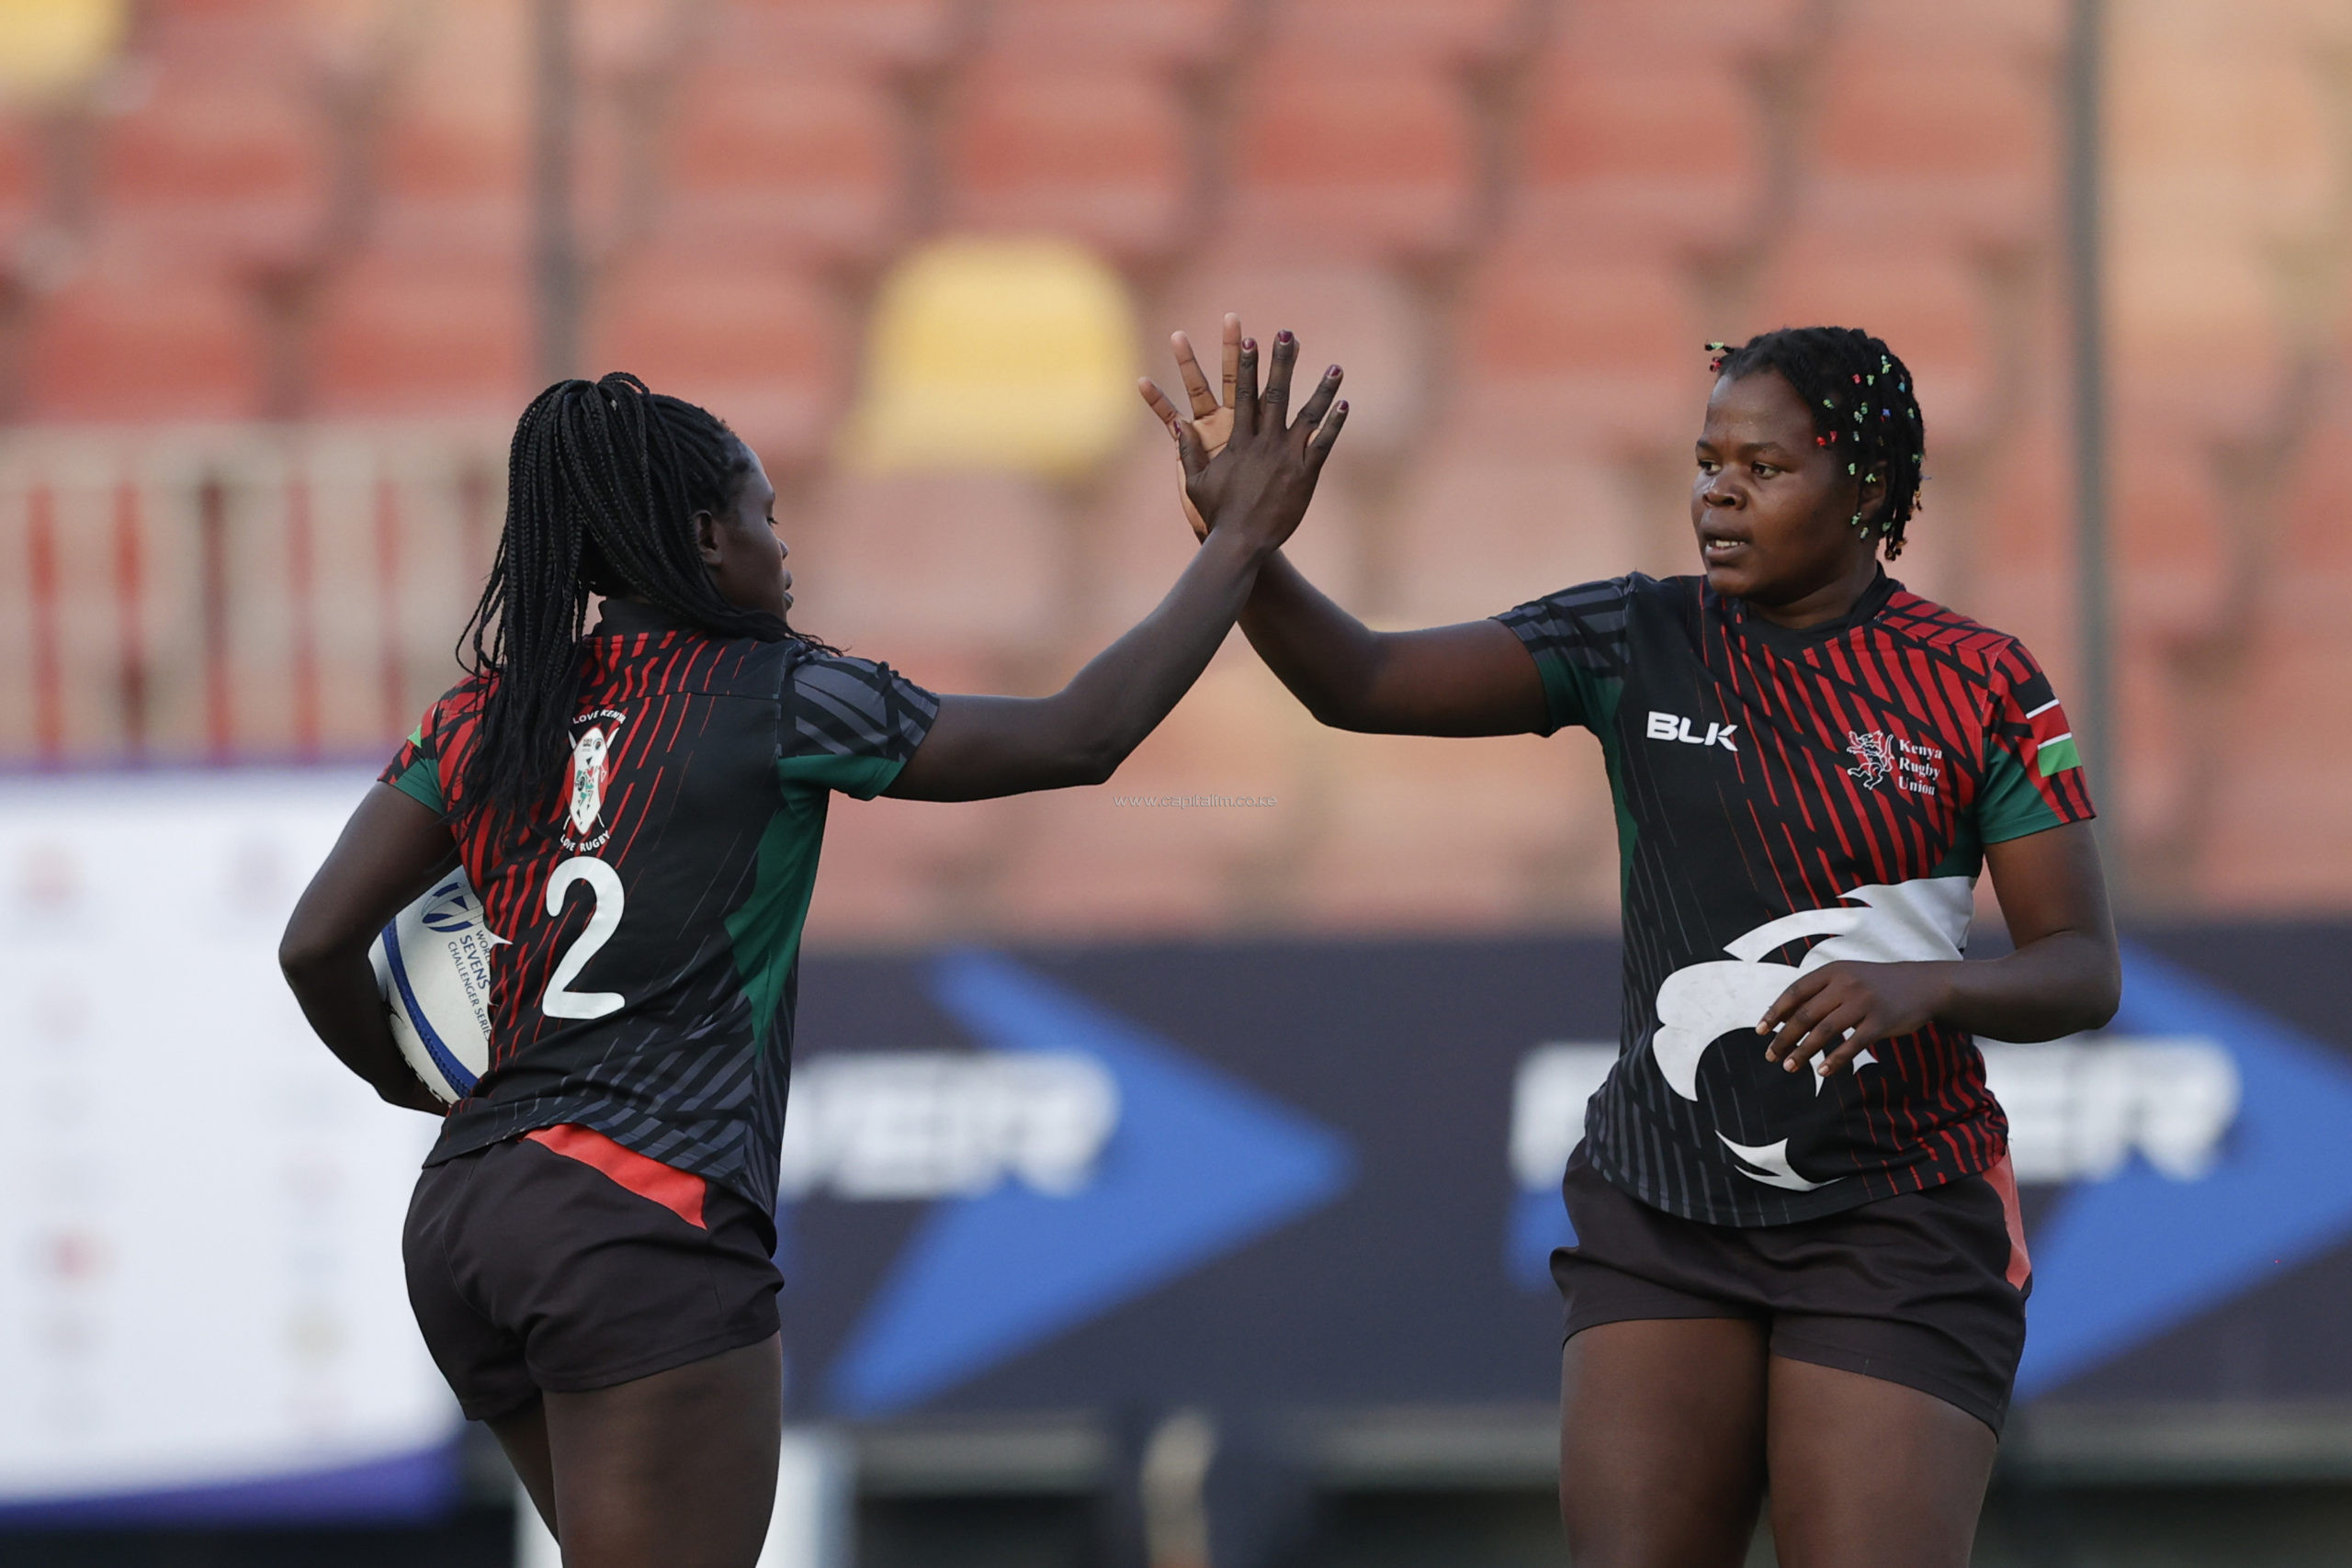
[{"x": 1240, "y": 453}]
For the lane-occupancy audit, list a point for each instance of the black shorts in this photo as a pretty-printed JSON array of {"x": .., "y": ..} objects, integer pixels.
[
  {"x": 1926, "y": 1289},
  {"x": 534, "y": 1270}
]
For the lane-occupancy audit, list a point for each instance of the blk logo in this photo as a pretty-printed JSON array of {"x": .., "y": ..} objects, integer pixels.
[{"x": 1674, "y": 726}]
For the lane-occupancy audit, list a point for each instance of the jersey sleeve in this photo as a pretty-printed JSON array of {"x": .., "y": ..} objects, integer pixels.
[
  {"x": 851, "y": 724},
  {"x": 415, "y": 769},
  {"x": 2033, "y": 772},
  {"x": 1577, "y": 637}
]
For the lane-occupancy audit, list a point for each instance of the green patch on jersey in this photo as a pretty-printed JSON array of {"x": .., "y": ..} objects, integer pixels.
[
  {"x": 862, "y": 776},
  {"x": 764, "y": 931},
  {"x": 2009, "y": 804},
  {"x": 421, "y": 782},
  {"x": 2057, "y": 756}
]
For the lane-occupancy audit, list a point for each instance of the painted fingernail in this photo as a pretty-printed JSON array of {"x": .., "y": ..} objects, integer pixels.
[
  {"x": 1248, "y": 345},
  {"x": 1283, "y": 336},
  {"x": 1333, "y": 371}
]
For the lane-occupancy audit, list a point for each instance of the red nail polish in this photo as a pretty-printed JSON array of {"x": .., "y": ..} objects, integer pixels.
[
  {"x": 1283, "y": 336},
  {"x": 1248, "y": 345}
]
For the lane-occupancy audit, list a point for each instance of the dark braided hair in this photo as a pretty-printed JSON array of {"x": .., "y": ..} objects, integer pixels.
[
  {"x": 1863, "y": 405},
  {"x": 604, "y": 480}
]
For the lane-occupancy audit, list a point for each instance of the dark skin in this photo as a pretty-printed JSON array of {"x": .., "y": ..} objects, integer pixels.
[
  {"x": 1669, "y": 1427},
  {"x": 679, "y": 1468}
]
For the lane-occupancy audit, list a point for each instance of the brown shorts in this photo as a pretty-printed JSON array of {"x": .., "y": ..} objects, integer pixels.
[
  {"x": 560, "y": 1261},
  {"x": 1926, "y": 1289}
]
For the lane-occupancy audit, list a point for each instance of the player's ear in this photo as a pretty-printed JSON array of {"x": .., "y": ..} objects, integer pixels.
[{"x": 707, "y": 539}]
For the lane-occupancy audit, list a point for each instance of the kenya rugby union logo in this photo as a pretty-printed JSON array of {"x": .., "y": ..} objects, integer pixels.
[
  {"x": 1873, "y": 757},
  {"x": 593, "y": 736}
]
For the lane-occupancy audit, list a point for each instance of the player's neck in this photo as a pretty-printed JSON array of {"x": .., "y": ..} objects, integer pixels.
[{"x": 1832, "y": 600}]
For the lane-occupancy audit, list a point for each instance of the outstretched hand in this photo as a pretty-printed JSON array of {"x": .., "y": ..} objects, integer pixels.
[{"x": 1244, "y": 466}]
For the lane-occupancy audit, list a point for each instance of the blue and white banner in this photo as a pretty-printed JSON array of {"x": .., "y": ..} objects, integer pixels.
[{"x": 1328, "y": 1173}]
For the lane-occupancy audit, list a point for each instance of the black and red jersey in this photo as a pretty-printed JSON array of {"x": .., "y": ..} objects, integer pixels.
[
  {"x": 652, "y": 912},
  {"x": 1787, "y": 799}
]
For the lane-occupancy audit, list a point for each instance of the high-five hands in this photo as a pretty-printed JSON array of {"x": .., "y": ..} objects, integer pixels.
[{"x": 1240, "y": 461}]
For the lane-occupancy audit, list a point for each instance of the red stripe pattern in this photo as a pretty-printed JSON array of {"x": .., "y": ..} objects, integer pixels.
[{"x": 1761, "y": 773}]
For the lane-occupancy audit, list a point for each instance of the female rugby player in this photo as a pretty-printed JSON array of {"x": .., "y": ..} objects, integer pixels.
[
  {"x": 1798, "y": 1259},
  {"x": 640, "y": 808}
]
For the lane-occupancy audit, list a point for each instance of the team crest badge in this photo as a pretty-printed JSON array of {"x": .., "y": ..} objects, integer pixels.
[
  {"x": 1873, "y": 757},
  {"x": 593, "y": 737}
]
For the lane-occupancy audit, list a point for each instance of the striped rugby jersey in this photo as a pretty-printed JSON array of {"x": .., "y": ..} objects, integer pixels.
[
  {"x": 652, "y": 915},
  {"x": 1787, "y": 799}
]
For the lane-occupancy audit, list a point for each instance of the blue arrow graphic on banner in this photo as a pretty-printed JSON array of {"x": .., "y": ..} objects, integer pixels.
[
  {"x": 1200, "y": 1163},
  {"x": 2123, "y": 1260}
]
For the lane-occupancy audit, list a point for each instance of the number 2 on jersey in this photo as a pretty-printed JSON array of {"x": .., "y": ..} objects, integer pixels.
[{"x": 604, "y": 919}]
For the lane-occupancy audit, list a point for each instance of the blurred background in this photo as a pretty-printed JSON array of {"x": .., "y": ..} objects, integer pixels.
[{"x": 1294, "y": 1025}]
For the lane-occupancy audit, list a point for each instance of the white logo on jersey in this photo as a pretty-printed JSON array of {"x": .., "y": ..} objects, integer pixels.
[
  {"x": 1922, "y": 921},
  {"x": 1874, "y": 758},
  {"x": 1673, "y": 727},
  {"x": 584, "y": 787}
]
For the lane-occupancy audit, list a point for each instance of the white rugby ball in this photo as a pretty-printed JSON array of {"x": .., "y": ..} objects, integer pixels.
[{"x": 432, "y": 965}]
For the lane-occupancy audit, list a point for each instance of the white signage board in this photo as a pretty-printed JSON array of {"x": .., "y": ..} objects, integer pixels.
[{"x": 201, "y": 1210}]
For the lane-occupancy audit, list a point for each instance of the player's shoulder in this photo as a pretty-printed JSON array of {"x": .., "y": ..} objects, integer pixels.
[
  {"x": 1992, "y": 656},
  {"x": 1603, "y": 604},
  {"x": 841, "y": 702}
]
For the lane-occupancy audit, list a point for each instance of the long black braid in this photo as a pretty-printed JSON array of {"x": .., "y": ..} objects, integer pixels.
[
  {"x": 1862, "y": 406},
  {"x": 604, "y": 480}
]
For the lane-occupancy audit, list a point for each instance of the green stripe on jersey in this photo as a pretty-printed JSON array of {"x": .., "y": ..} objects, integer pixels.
[
  {"x": 421, "y": 782},
  {"x": 863, "y": 777},
  {"x": 765, "y": 930},
  {"x": 2058, "y": 755}
]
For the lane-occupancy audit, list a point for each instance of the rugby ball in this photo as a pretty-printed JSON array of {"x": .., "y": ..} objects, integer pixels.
[{"x": 433, "y": 965}]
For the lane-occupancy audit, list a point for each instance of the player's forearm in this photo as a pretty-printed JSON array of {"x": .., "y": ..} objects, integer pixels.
[
  {"x": 337, "y": 990},
  {"x": 1125, "y": 690},
  {"x": 1325, "y": 656},
  {"x": 2060, "y": 984}
]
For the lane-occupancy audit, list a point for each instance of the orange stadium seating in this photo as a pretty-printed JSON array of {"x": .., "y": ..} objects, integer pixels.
[{"x": 280, "y": 238}]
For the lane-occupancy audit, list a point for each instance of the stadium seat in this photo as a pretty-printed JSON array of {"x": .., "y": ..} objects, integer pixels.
[
  {"x": 1098, "y": 155},
  {"x": 1338, "y": 158},
  {"x": 1063, "y": 35},
  {"x": 812, "y": 38},
  {"x": 131, "y": 336},
  {"x": 758, "y": 343},
  {"x": 1627, "y": 159},
  {"x": 942, "y": 571},
  {"x": 407, "y": 327},
  {"x": 1166, "y": 845},
  {"x": 1408, "y": 30},
  {"x": 216, "y": 167},
  {"x": 1460, "y": 834},
  {"x": 1481, "y": 530},
  {"x": 807, "y": 167},
  {"x": 1603, "y": 354}
]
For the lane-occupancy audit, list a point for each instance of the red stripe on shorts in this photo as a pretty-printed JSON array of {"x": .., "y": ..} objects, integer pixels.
[
  {"x": 2005, "y": 1182},
  {"x": 675, "y": 1190}
]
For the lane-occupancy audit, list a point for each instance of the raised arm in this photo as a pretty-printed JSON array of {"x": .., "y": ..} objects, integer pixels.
[
  {"x": 1257, "y": 489},
  {"x": 390, "y": 852},
  {"x": 1471, "y": 679}
]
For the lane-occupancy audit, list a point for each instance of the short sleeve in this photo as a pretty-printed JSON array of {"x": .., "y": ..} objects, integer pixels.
[
  {"x": 2033, "y": 771},
  {"x": 1577, "y": 638},
  {"x": 851, "y": 724},
  {"x": 415, "y": 769}
]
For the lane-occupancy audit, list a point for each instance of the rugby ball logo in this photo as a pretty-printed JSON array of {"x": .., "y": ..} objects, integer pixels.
[{"x": 432, "y": 966}]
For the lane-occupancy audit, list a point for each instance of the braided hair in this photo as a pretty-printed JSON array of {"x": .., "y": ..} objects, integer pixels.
[
  {"x": 1860, "y": 398},
  {"x": 604, "y": 481}
]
